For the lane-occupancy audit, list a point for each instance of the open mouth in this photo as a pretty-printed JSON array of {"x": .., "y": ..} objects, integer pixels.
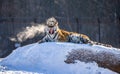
[{"x": 51, "y": 31}]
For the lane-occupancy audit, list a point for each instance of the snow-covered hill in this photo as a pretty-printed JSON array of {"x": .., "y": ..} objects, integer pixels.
[{"x": 48, "y": 58}]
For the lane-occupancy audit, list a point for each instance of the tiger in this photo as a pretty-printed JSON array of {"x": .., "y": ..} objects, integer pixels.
[
  {"x": 53, "y": 33},
  {"x": 83, "y": 39}
]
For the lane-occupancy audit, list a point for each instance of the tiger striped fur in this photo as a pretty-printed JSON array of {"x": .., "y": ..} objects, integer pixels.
[
  {"x": 53, "y": 33},
  {"x": 83, "y": 39}
]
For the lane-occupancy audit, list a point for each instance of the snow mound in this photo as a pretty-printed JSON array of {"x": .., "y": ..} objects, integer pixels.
[{"x": 48, "y": 58}]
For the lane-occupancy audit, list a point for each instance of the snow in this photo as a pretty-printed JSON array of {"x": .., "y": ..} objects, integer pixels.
[
  {"x": 18, "y": 72},
  {"x": 48, "y": 58}
]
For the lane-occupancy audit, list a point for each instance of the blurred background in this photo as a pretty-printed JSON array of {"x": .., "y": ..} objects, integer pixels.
[{"x": 99, "y": 19}]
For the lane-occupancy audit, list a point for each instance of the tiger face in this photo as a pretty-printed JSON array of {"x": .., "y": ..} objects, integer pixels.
[{"x": 51, "y": 26}]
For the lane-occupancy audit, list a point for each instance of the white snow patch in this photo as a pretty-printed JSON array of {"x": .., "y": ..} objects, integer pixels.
[
  {"x": 48, "y": 58},
  {"x": 18, "y": 72}
]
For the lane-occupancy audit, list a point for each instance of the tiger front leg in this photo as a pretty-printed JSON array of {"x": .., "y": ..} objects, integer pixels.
[{"x": 40, "y": 41}]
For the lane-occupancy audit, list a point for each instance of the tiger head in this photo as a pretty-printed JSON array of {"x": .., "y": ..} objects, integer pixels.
[{"x": 51, "y": 25}]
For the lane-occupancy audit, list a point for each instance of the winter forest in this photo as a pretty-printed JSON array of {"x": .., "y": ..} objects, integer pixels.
[{"x": 21, "y": 19}]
